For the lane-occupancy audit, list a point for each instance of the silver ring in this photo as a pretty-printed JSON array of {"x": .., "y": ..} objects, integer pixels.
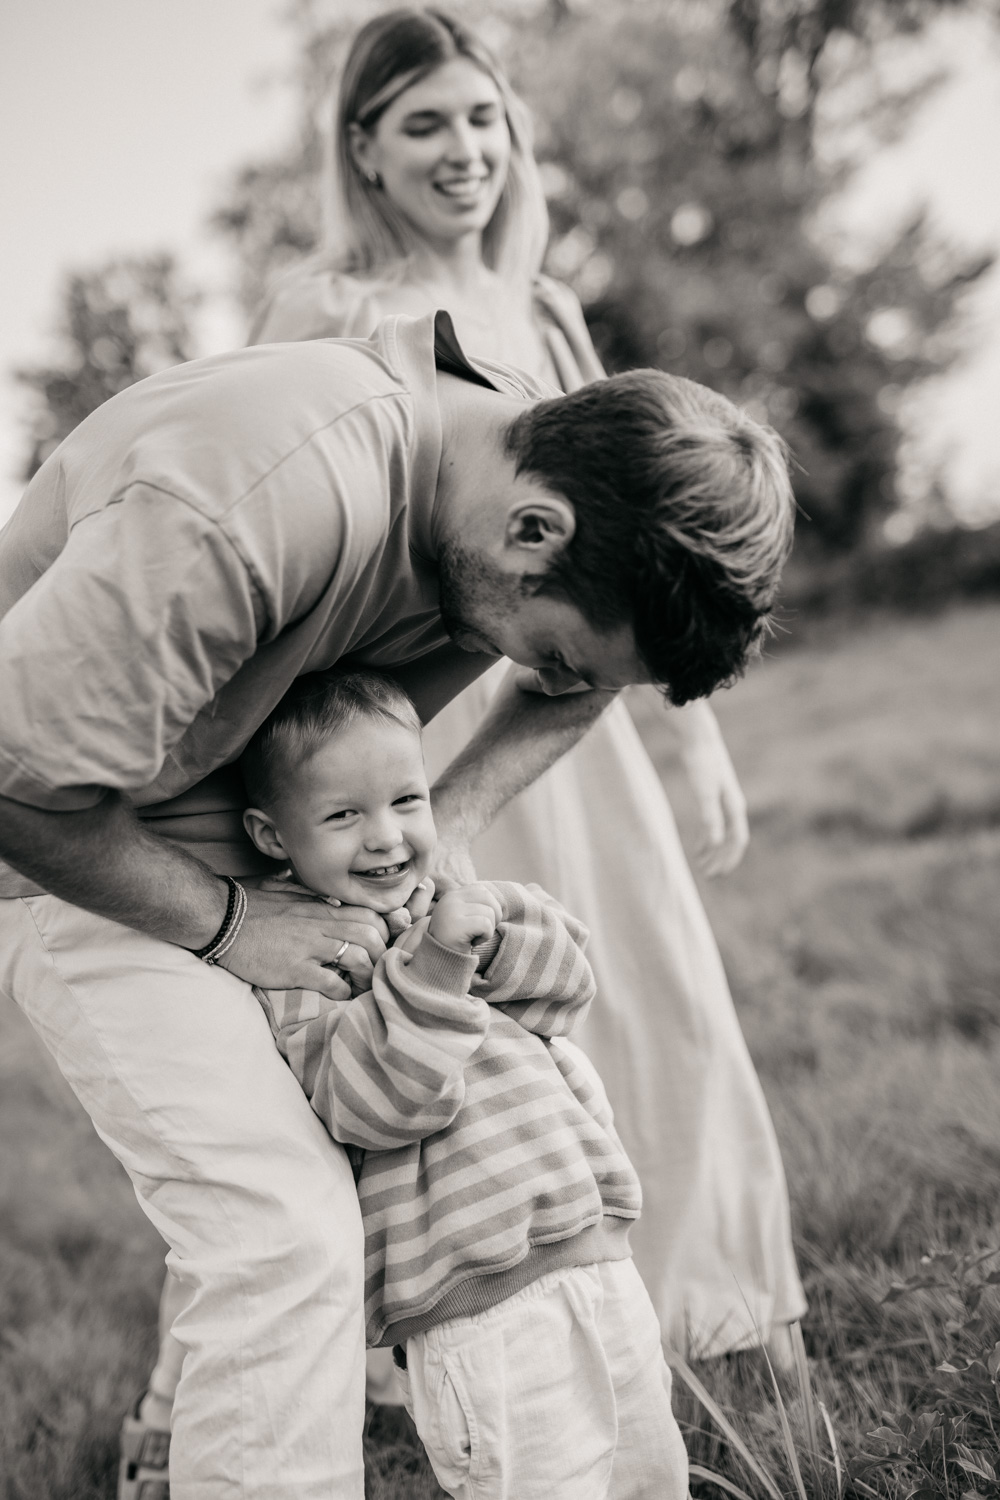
[{"x": 341, "y": 951}]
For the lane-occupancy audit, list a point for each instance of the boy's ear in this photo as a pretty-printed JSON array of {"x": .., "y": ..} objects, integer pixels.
[{"x": 261, "y": 829}]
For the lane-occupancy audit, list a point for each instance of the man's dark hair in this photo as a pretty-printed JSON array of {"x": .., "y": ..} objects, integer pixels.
[
  {"x": 316, "y": 707},
  {"x": 684, "y": 518}
]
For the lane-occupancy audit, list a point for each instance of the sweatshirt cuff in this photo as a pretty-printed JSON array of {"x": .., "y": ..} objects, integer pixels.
[{"x": 442, "y": 968}]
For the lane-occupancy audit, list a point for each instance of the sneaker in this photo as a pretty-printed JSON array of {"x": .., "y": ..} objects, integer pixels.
[{"x": 145, "y": 1454}]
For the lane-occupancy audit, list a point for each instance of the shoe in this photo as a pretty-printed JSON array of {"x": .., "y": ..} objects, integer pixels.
[{"x": 145, "y": 1454}]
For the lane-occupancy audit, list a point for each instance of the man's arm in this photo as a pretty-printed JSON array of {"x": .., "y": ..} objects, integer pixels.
[
  {"x": 105, "y": 860},
  {"x": 522, "y": 735}
]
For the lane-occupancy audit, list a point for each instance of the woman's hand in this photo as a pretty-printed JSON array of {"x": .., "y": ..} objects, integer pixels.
[{"x": 717, "y": 792}]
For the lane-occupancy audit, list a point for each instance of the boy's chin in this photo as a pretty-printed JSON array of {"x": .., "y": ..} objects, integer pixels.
[{"x": 388, "y": 901}]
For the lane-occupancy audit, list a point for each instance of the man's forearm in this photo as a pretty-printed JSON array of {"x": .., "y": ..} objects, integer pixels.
[
  {"x": 104, "y": 860},
  {"x": 520, "y": 737}
]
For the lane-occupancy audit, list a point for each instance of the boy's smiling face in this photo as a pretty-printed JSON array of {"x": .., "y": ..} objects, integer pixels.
[{"x": 354, "y": 819}]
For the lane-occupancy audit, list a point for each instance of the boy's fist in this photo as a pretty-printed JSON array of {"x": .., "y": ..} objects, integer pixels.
[{"x": 465, "y": 917}]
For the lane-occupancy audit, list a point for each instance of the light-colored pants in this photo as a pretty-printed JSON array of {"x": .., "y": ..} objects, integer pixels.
[
  {"x": 559, "y": 1393},
  {"x": 175, "y": 1064}
]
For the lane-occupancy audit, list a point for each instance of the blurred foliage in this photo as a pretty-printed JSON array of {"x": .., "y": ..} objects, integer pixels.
[
  {"x": 687, "y": 147},
  {"x": 119, "y": 322},
  {"x": 678, "y": 147},
  {"x": 936, "y": 566}
]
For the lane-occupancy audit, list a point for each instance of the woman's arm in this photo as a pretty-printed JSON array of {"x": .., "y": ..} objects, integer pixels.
[{"x": 718, "y": 795}]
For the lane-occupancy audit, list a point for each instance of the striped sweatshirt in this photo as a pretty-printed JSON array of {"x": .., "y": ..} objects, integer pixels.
[{"x": 483, "y": 1145}]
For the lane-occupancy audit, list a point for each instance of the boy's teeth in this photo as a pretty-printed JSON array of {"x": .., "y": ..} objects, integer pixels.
[{"x": 384, "y": 870}]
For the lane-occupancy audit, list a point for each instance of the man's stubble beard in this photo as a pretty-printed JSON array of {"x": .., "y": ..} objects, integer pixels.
[{"x": 475, "y": 595}]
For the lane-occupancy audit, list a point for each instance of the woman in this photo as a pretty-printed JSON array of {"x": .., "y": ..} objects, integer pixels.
[{"x": 436, "y": 203}]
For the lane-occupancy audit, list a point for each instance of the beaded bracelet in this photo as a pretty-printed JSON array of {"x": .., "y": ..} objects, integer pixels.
[{"x": 236, "y": 910}]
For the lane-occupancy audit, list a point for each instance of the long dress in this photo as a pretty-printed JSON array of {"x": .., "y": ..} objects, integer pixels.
[{"x": 596, "y": 830}]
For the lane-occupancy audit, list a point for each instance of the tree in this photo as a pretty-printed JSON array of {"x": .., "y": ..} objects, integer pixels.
[
  {"x": 678, "y": 144},
  {"x": 119, "y": 322}
]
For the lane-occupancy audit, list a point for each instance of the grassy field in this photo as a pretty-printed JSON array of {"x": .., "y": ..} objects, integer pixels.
[{"x": 862, "y": 938}]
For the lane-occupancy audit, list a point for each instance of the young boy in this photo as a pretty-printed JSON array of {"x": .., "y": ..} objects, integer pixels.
[{"x": 495, "y": 1194}]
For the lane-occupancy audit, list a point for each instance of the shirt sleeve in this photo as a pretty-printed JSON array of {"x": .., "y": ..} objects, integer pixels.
[
  {"x": 112, "y": 653},
  {"x": 538, "y": 973},
  {"x": 387, "y": 1068},
  {"x": 312, "y": 304},
  {"x": 561, "y": 306}
]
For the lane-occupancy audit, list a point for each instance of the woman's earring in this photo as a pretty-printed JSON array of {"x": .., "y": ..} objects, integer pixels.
[{"x": 373, "y": 178}]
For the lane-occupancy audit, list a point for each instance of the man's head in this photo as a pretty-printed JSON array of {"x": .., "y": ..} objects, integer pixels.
[
  {"x": 643, "y": 539},
  {"x": 335, "y": 778}
]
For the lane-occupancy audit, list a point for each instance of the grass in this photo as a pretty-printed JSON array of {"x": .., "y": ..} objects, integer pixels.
[{"x": 862, "y": 939}]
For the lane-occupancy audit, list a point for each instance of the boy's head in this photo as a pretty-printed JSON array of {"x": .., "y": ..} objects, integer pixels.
[{"x": 337, "y": 789}]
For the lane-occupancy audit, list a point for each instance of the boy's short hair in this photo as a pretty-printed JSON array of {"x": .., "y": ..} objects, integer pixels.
[
  {"x": 316, "y": 707},
  {"x": 684, "y": 519}
]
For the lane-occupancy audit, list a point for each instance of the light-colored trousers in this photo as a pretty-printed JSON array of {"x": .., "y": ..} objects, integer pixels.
[
  {"x": 559, "y": 1393},
  {"x": 175, "y": 1064}
]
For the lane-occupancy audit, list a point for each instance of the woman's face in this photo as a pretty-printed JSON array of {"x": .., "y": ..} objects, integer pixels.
[{"x": 442, "y": 150}]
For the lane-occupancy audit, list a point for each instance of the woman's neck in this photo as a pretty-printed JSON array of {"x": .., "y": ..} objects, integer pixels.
[{"x": 456, "y": 267}]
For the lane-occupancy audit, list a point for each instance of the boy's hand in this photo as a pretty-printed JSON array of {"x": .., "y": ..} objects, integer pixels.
[
  {"x": 409, "y": 941},
  {"x": 465, "y": 917},
  {"x": 416, "y": 907}
]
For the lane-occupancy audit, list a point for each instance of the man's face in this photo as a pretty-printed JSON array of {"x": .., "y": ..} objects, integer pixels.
[{"x": 487, "y": 608}]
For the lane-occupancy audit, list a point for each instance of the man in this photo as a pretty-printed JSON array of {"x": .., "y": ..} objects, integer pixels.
[{"x": 199, "y": 542}]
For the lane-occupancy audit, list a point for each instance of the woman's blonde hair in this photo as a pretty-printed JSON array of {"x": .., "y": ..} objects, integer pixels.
[{"x": 365, "y": 232}]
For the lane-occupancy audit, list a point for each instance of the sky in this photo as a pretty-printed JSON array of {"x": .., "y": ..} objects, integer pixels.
[{"x": 122, "y": 119}]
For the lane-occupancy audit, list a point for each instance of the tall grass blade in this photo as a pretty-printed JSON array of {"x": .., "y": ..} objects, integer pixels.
[
  {"x": 804, "y": 1381},
  {"x": 786, "y": 1431},
  {"x": 709, "y": 1476},
  {"x": 726, "y": 1427},
  {"x": 838, "y": 1467}
]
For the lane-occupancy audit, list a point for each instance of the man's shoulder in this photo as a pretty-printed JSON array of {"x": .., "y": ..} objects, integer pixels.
[{"x": 219, "y": 430}]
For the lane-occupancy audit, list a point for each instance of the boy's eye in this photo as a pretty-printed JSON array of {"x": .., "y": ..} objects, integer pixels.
[
  {"x": 410, "y": 797},
  {"x": 340, "y": 815}
]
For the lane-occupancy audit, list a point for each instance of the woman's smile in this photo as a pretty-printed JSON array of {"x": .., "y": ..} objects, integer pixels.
[{"x": 440, "y": 152}]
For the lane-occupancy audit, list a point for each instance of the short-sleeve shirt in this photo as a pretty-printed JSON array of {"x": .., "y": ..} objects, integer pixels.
[{"x": 201, "y": 540}]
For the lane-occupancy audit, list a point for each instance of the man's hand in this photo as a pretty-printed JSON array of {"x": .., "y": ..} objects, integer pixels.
[
  {"x": 291, "y": 938},
  {"x": 465, "y": 917},
  {"x": 717, "y": 792},
  {"x": 453, "y": 865}
]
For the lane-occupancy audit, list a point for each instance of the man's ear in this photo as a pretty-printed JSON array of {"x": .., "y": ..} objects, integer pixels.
[
  {"x": 541, "y": 525},
  {"x": 261, "y": 829}
]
